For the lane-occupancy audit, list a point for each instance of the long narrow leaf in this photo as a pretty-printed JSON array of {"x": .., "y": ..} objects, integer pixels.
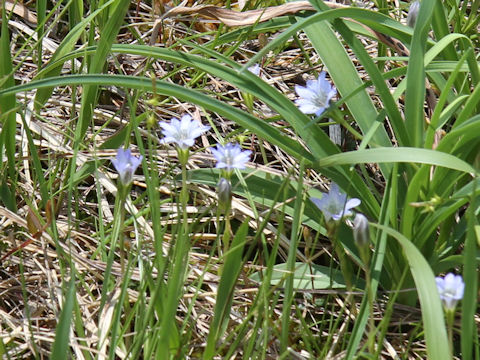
[{"x": 432, "y": 312}]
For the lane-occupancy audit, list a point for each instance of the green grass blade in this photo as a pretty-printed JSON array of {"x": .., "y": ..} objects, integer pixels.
[
  {"x": 469, "y": 302},
  {"x": 292, "y": 255},
  {"x": 413, "y": 155},
  {"x": 432, "y": 312},
  {"x": 109, "y": 33},
  {"x": 7, "y": 113},
  {"x": 230, "y": 273},
  {"x": 62, "y": 333},
  {"x": 415, "y": 92},
  {"x": 54, "y": 66}
]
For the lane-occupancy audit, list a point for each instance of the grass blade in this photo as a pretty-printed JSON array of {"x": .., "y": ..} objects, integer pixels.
[{"x": 62, "y": 333}]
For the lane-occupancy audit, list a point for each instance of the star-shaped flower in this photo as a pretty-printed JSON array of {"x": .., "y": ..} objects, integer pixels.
[
  {"x": 126, "y": 164},
  {"x": 231, "y": 157},
  {"x": 335, "y": 205},
  {"x": 451, "y": 289},
  {"x": 182, "y": 132},
  {"x": 315, "y": 97}
]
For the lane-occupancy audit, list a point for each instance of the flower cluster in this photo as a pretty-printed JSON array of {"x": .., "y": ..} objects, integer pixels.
[{"x": 315, "y": 97}]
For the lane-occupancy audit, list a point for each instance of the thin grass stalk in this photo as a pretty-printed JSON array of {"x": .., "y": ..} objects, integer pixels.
[
  {"x": 470, "y": 276},
  {"x": 41, "y": 7},
  {"x": 179, "y": 266},
  {"x": 292, "y": 254}
]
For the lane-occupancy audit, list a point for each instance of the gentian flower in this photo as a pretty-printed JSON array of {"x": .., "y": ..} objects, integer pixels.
[
  {"x": 314, "y": 98},
  {"x": 182, "y": 132},
  {"x": 255, "y": 69},
  {"x": 334, "y": 205},
  {"x": 126, "y": 164},
  {"x": 231, "y": 157},
  {"x": 451, "y": 289}
]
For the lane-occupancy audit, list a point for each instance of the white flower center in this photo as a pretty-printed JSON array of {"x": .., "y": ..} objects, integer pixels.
[
  {"x": 321, "y": 99},
  {"x": 228, "y": 158}
]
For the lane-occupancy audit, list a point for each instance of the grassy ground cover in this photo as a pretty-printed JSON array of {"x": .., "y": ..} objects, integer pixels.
[{"x": 250, "y": 180}]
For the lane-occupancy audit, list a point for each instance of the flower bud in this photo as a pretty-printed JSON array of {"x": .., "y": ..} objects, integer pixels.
[
  {"x": 224, "y": 191},
  {"x": 361, "y": 232},
  {"x": 413, "y": 13}
]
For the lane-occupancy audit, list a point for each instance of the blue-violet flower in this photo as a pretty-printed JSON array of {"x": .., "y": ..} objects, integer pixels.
[
  {"x": 182, "y": 132},
  {"x": 334, "y": 205},
  {"x": 126, "y": 164},
  {"x": 451, "y": 289},
  {"x": 231, "y": 156},
  {"x": 315, "y": 97}
]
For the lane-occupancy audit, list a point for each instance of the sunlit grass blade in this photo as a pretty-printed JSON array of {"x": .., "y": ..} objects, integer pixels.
[{"x": 391, "y": 155}]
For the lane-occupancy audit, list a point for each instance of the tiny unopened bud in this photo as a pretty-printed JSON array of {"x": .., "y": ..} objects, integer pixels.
[
  {"x": 224, "y": 191},
  {"x": 413, "y": 13},
  {"x": 361, "y": 231},
  {"x": 151, "y": 121}
]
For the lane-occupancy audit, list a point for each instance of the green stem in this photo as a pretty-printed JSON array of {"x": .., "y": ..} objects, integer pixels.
[
  {"x": 371, "y": 299},
  {"x": 179, "y": 267},
  {"x": 227, "y": 232},
  {"x": 118, "y": 222},
  {"x": 117, "y": 235},
  {"x": 450, "y": 314},
  {"x": 344, "y": 265}
]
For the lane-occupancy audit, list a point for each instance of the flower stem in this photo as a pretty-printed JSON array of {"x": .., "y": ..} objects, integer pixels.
[
  {"x": 117, "y": 235},
  {"x": 450, "y": 314}
]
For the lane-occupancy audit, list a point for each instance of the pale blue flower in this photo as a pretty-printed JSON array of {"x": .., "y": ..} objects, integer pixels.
[
  {"x": 335, "y": 205},
  {"x": 315, "y": 97},
  {"x": 182, "y": 132},
  {"x": 451, "y": 289},
  {"x": 255, "y": 69},
  {"x": 231, "y": 156},
  {"x": 126, "y": 164}
]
